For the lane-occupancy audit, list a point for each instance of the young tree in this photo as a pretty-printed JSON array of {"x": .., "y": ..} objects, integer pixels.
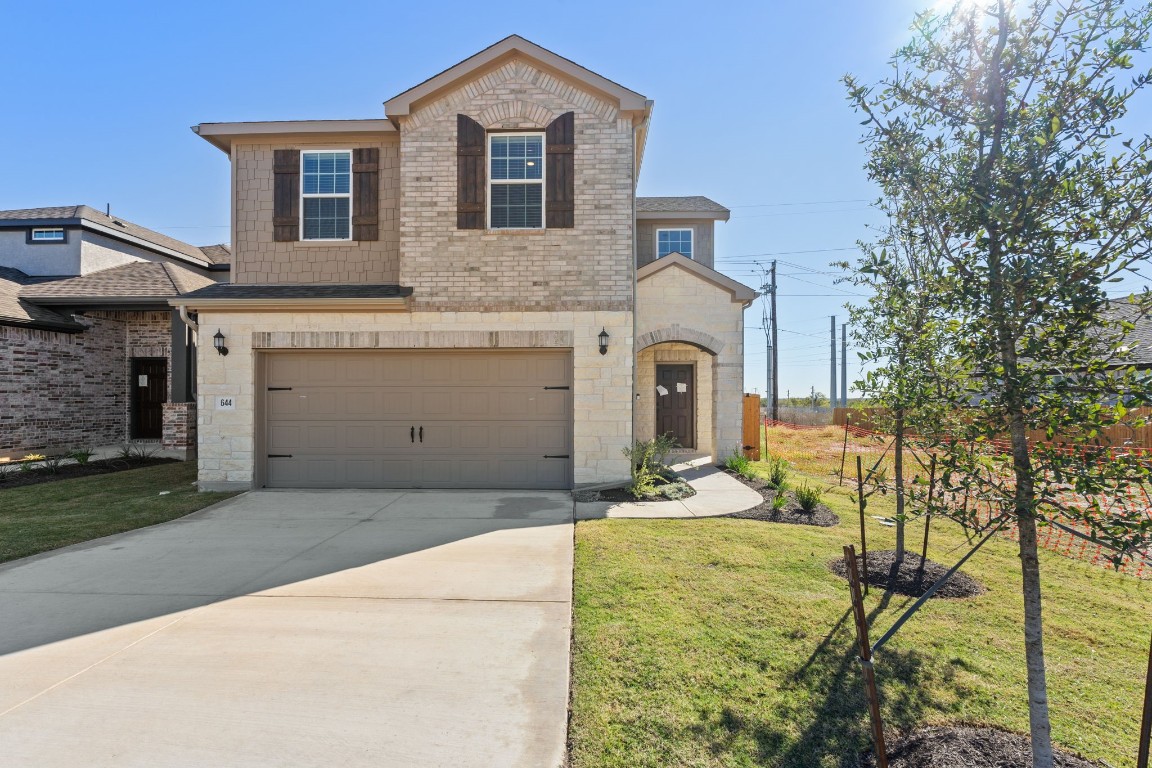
[{"x": 997, "y": 132}]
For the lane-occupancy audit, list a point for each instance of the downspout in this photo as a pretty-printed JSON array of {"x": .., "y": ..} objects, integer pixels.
[{"x": 189, "y": 321}]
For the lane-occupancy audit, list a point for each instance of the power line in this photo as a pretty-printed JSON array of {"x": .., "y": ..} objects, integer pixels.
[
  {"x": 813, "y": 202},
  {"x": 802, "y": 213}
]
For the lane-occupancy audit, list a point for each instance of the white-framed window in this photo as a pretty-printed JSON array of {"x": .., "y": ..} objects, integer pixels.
[
  {"x": 516, "y": 180},
  {"x": 48, "y": 235},
  {"x": 326, "y": 195},
  {"x": 673, "y": 241}
]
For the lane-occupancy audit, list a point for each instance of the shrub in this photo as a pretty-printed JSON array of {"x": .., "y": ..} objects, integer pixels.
[
  {"x": 82, "y": 456},
  {"x": 808, "y": 497},
  {"x": 676, "y": 490},
  {"x": 777, "y": 473},
  {"x": 129, "y": 451},
  {"x": 53, "y": 463},
  {"x": 779, "y": 501},
  {"x": 646, "y": 458},
  {"x": 739, "y": 464}
]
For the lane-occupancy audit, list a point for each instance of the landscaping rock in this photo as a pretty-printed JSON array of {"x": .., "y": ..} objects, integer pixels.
[{"x": 914, "y": 578}]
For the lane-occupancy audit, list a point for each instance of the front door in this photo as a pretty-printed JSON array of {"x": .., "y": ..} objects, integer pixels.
[
  {"x": 149, "y": 393},
  {"x": 676, "y": 403}
]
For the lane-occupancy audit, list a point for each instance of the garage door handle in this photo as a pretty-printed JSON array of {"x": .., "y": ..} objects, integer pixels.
[
  {"x": 557, "y": 456},
  {"x": 557, "y": 387},
  {"x": 412, "y": 434},
  {"x": 421, "y": 434},
  {"x": 279, "y": 455}
]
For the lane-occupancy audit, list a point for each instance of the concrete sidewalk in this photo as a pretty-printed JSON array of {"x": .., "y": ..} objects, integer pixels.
[
  {"x": 351, "y": 628},
  {"x": 716, "y": 494}
]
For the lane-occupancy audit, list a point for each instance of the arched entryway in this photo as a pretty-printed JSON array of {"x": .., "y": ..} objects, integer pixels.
[{"x": 676, "y": 385}]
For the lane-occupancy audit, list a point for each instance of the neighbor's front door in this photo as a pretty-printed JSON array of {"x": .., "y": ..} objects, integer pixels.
[
  {"x": 676, "y": 410},
  {"x": 149, "y": 393}
]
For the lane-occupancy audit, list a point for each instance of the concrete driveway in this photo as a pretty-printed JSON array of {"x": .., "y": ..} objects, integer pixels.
[{"x": 330, "y": 628}]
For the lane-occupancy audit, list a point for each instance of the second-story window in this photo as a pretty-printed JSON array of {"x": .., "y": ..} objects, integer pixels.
[
  {"x": 673, "y": 241},
  {"x": 516, "y": 181},
  {"x": 326, "y": 192}
]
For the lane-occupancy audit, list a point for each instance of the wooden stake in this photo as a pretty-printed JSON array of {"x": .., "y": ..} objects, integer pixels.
[
  {"x": 1146, "y": 723},
  {"x": 928, "y": 517},
  {"x": 866, "y": 669},
  {"x": 863, "y": 536},
  {"x": 844, "y": 450}
]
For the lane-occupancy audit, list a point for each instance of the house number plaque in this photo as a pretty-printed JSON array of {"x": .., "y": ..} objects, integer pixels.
[{"x": 225, "y": 404}]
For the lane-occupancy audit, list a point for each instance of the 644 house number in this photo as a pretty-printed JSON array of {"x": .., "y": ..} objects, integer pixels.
[{"x": 225, "y": 404}]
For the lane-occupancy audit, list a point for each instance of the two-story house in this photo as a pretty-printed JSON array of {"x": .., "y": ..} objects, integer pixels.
[{"x": 466, "y": 293}]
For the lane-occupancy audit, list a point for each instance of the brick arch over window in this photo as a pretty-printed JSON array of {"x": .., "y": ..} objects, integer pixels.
[
  {"x": 704, "y": 341},
  {"x": 515, "y": 114}
]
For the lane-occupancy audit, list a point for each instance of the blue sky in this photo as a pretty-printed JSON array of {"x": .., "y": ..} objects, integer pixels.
[{"x": 749, "y": 111}]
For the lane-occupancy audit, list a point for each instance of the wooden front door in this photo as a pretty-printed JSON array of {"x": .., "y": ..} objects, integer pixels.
[
  {"x": 149, "y": 393},
  {"x": 676, "y": 410}
]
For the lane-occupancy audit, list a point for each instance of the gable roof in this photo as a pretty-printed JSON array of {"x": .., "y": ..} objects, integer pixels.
[
  {"x": 739, "y": 291},
  {"x": 494, "y": 55},
  {"x": 140, "y": 281},
  {"x": 112, "y": 226},
  {"x": 221, "y": 253},
  {"x": 15, "y": 311},
  {"x": 685, "y": 207}
]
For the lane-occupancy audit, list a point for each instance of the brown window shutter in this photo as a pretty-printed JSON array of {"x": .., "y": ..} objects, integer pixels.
[
  {"x": 470, "y": 173},
  {"x": 366, "y": 194},
  {"x": 560, "y": 195},
  {"x": 286, "y": 195}
]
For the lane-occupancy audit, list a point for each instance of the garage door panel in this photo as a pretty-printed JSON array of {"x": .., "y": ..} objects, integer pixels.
[{"x": 351, "y": 417}]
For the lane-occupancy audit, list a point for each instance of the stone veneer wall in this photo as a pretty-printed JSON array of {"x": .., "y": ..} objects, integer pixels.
[
  {"x": 676, "y": 305},
  {"x": 646, "y": 361},
  {"x": 588, "y": 267},
  {"x": 62, "y": 391},
  {"x": 602, "y": 386},
  {"x": 259, "y": 259}
]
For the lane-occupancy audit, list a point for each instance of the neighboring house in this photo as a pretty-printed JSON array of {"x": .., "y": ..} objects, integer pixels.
[
  {"x": 465, "y": 294},
  {"x": 91, "y": 353}
]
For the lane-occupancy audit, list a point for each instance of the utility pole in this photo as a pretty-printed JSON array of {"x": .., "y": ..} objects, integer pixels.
[
  {"x": 844, "y": 365},
  {"x": 775, "y": 404},
  {"x": 832, "y": 385},
  {"x": 767, "y": 323}
]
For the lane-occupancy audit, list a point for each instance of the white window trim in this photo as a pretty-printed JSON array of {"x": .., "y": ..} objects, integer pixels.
[
  {"x": 656, "y": 241},
  {"x": 543, "y": 178},
  {"x": 63, "y": 238},
  {"x": 303, "y": 196}
]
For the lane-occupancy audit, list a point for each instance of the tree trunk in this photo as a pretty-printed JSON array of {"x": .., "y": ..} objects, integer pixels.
[
  {"x": 1040, "y": 727},
  {"x": 899, "y": 479}
]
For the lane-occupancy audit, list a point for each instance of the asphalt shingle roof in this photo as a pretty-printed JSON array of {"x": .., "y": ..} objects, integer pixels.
[
  {"x": 217, "y": 254},
  {"x": 1139, "y": 339},
  {"x": 690, "y": 204},
  {"x": 84, "y": 213},
  {"x": 233, "y": 291},
  {"x": 16, "y": 311},
  {"x": 140, "y": 279}
]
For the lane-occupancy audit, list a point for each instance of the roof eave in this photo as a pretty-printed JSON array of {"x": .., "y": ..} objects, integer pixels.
[
  {"x": 223, "y": 135},
  {"x": 41, "y": 325},
  {"x": 712, "y": 215},
  {"x": 741, "y": 294},
  {"x": 350, "y": 304}
]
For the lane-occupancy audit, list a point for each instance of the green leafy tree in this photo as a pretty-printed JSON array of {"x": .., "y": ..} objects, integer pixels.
[{"x": 997, "y": 134}]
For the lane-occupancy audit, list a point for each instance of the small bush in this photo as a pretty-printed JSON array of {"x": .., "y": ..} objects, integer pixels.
[
  {"x": 34, "y": 457},
  {"x": 646, "y": 458},
  {"x": 676, "y": 490},
  {"x": 129, "y": 451},
  {"x": 808, "y": 497},
  {"x": 777, "y": 473},
  {"x": 53, "y": 463},
  {"x": 82, "y": 456},
  {"x": 779, "y": 501},
  {"x": 739, "y": 464}
]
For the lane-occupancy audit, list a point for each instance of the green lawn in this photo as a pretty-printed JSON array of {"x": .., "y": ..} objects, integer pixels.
[
  {"x": 728, "y": 643},
  {"x": 38, "y": 518}
]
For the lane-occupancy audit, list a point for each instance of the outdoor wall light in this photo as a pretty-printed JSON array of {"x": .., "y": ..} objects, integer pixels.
[
  {"x": 603, "y": 341},
  {"x": 218, "y": 342}
]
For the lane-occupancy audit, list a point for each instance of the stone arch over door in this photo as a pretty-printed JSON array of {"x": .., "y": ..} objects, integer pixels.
[{"x": 682, "y": 334}]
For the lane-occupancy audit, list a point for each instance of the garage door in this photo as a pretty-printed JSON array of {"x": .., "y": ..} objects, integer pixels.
[{"x": 418, "y": 419}]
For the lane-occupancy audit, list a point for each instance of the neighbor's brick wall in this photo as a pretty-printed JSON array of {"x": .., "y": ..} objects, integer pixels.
[
  {"x": 602, "y": 384},
  {"x": 69, "y": 391},
  {"x": 587, "y": 267},
  {"x": 687, "y": 306},
  {"x": 179, "y": 427},
  {"x": 256, "y": 258}
]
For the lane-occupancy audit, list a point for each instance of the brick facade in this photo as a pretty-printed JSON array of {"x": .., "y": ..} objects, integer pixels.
[
  {"x": 62, "y": 391},
  {"x": 179, "y": 428}
]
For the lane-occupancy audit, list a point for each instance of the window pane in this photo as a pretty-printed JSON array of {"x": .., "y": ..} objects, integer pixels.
[
  {"x": 517, "y": 206},
  {"x": 674, "y": 241},
  {"x": 517, "y": 157},
  {"x": 327, "y": 173},
  {"x": 326, "y": 218}
]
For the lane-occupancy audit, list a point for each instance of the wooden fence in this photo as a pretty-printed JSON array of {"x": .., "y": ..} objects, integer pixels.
[{"x": 1121, "y": 436}]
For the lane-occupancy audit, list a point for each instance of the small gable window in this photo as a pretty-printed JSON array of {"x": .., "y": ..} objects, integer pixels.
[
  {"x": 516, "y": 177},
  {"x": 673, "y": 241},
  {"x": 47, "y": 235},
  {"x": 326, "y": 195}
]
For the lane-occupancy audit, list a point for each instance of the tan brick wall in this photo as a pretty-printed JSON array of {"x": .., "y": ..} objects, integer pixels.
[
  {"x": 687, "y": 307},
  {"x": 256, "y": 258},
  {"x": 602, "y": 384},
  {"x": 588, "y": 267}
]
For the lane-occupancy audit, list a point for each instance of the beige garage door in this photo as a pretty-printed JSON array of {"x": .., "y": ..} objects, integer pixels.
[{"x": 418, "y": 419}]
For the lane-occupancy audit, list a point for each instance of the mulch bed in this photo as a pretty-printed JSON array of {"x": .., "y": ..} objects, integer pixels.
[
  {"x": 16, "y": 478},
  {"x": 617, "y": 495},
  {"x": 914, "y": 577},
  {"x": 968, "y": 747},
  {"x": 792, "y": 513}
]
